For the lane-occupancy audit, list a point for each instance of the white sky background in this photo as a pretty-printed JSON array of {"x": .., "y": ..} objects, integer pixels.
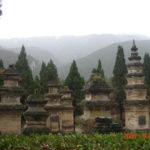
[{"x": 26, "y": 18}]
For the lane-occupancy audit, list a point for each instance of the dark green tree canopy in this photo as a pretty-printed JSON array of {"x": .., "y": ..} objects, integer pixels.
[
  {"x": 1, "y": 68},
  {"x": 23, "y": 67},
  {"x": 119, "y": 80},
  {"x": 52, "y": 75},
  {"x": 48, "y": 74},
  {"x": 99, "y": 69},
  {"x": 1, "y": 64},
  {"x": 146, "y": 71},
  {"x": 43, "y": 78},
  {"x": 75, "y": 82},
  {"x": 119, "y": 70}
]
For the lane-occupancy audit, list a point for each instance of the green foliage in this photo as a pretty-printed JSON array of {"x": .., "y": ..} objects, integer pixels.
[
  {"x": 96, "y": 78},
  {"x": 75, "y": 83},
  {"x": 119, "y": 70},
  {"x": 48, "y": 74},
  {"x": 110, "y": 141},
  {"x": 1, "y": 68},
  {"x": 99, "y": 69},
  {"x": 43, "y": 78},
  {"x": 119, "y": 80},
  {"x": 23, "y": 67},
  {"x": 146, "y": 70},
  {"x": 1, "y": 64},
  {"x": 52, "y": 76},
  {"x": 37, "y": 85}
]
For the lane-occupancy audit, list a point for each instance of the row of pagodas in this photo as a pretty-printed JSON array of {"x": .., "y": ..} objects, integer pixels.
[
  {"x": 40, "y": 114},
  {"x": 56, "y": 115},
  {"x": 99, "y": 99}
]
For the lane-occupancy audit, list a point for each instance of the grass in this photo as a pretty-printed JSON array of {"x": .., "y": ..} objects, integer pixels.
[{"x": 112, "y": 141}]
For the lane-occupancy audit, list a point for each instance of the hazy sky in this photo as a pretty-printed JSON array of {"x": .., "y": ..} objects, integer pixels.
[{"x": 24, "y": 18}]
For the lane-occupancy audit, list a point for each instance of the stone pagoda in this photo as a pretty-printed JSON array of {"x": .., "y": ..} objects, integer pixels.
[
  {"x": 53, "y": 108},
  {"x": 60, "y": 109},
  {"x": 67, "y": 111},
  {"x": 97, "y": 102},
  {"x": 35, "y": 115},
  {"x": 136, "y": 105},
  {"x": 10, "y": 107}
]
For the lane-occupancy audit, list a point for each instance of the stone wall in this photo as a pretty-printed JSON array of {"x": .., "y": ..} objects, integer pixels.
[
  {"x": 10, "y": 122},
  {"x": 132, "y": 114},
  {"x": 54, "y": 121},
  {"x": 135, "y": 80},
  {"x": 136, "y": 94},
  {"x": 101, "y": 97},
  {"x": 135, "y": 70},
  {"x": 13, "y": 100},
  {"x": 67, "y": 121},
  {"x": 92, "y": 114},
  {"x": 10, "y": 83}
]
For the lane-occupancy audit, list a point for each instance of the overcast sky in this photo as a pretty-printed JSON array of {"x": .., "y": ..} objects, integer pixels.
[{"x": 26, "y": 18}]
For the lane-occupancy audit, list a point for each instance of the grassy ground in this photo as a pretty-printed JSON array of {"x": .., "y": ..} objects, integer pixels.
[{"x": 120, "y": 141}]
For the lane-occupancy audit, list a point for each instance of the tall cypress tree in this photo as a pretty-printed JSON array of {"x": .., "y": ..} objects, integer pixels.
[
  {"x": 146, "y": 71},
  {"x": 99, "y": 69},
  {"x": 37, "y": 84},
  {"x": 23, "y": 67},
  {"x": 43, "y": 78},
  {"x": 1, "y": 68},
  {"x": 52, "y": 75},
  {"x": 119, "y": 80},
  {"x": 75, "y": 82},
  {"x": 1, "y": 64}
]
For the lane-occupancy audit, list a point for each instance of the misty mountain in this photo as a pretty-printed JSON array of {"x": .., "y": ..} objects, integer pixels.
[
  {"x": 10, "y": 57},
  {"x": 107, "y": 56},
  {"x": 37, "y": 53},
  {"x": 65, "y": 48}
]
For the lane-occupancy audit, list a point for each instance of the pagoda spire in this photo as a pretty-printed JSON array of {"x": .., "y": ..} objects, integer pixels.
[{"x": 134, "y": 48}]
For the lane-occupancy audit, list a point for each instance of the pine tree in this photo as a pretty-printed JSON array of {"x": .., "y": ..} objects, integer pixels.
[
  {"x": 37, "y": 84},
  {"x": 119, "y": 80},
  {"x": 75, "y": 82},
  {"x": 1, "y": 68},
  {"x": 23, "y": 67},
  {"x": 52, "y": 76},
  {"x": 1, "y": 64},
  {"x": 99, "y": 69},
  {"x": 43, "y": 78},
  {"x": 146, "y": 71}
]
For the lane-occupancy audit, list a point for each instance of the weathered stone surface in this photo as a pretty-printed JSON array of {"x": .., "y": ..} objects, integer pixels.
[
  {"x": 10, "y": 107},
  {"x": 136, "y": 104},
  {"x": 136, "y": 94},
  {"x": 60, "y": 110},
  {"x": 106, "y": 125},
  {"x": 97, "y": 100},
  {"x": 10, "y": 122},
  {"x": 132, "y": 117},
  {"x": 35, "y": 115}
]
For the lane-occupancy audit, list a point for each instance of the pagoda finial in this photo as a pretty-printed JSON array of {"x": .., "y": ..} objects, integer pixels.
[{"x": 134, "y": 48}]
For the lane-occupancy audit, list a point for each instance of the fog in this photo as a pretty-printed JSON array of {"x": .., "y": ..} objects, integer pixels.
[{"x": 28, "y": 18}]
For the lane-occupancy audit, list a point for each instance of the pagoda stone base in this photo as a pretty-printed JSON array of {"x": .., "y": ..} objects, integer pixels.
[
  {"x": 92, "y": 114},
  {"x": 36, "y": 130},
  {"x": 137, "y": 117},
  {"x": 67, "y": 121},
  {"x": 10, "y": 123},
  {"x": 54, "y": 121},
  {"x": 61, "y": 121}
]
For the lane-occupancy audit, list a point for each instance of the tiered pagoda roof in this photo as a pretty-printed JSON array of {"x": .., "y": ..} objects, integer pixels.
[
  {"x": 97, "y": 85},
  {"x": 11, "y": 74},
  {"x": 135, "y": 62}
]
